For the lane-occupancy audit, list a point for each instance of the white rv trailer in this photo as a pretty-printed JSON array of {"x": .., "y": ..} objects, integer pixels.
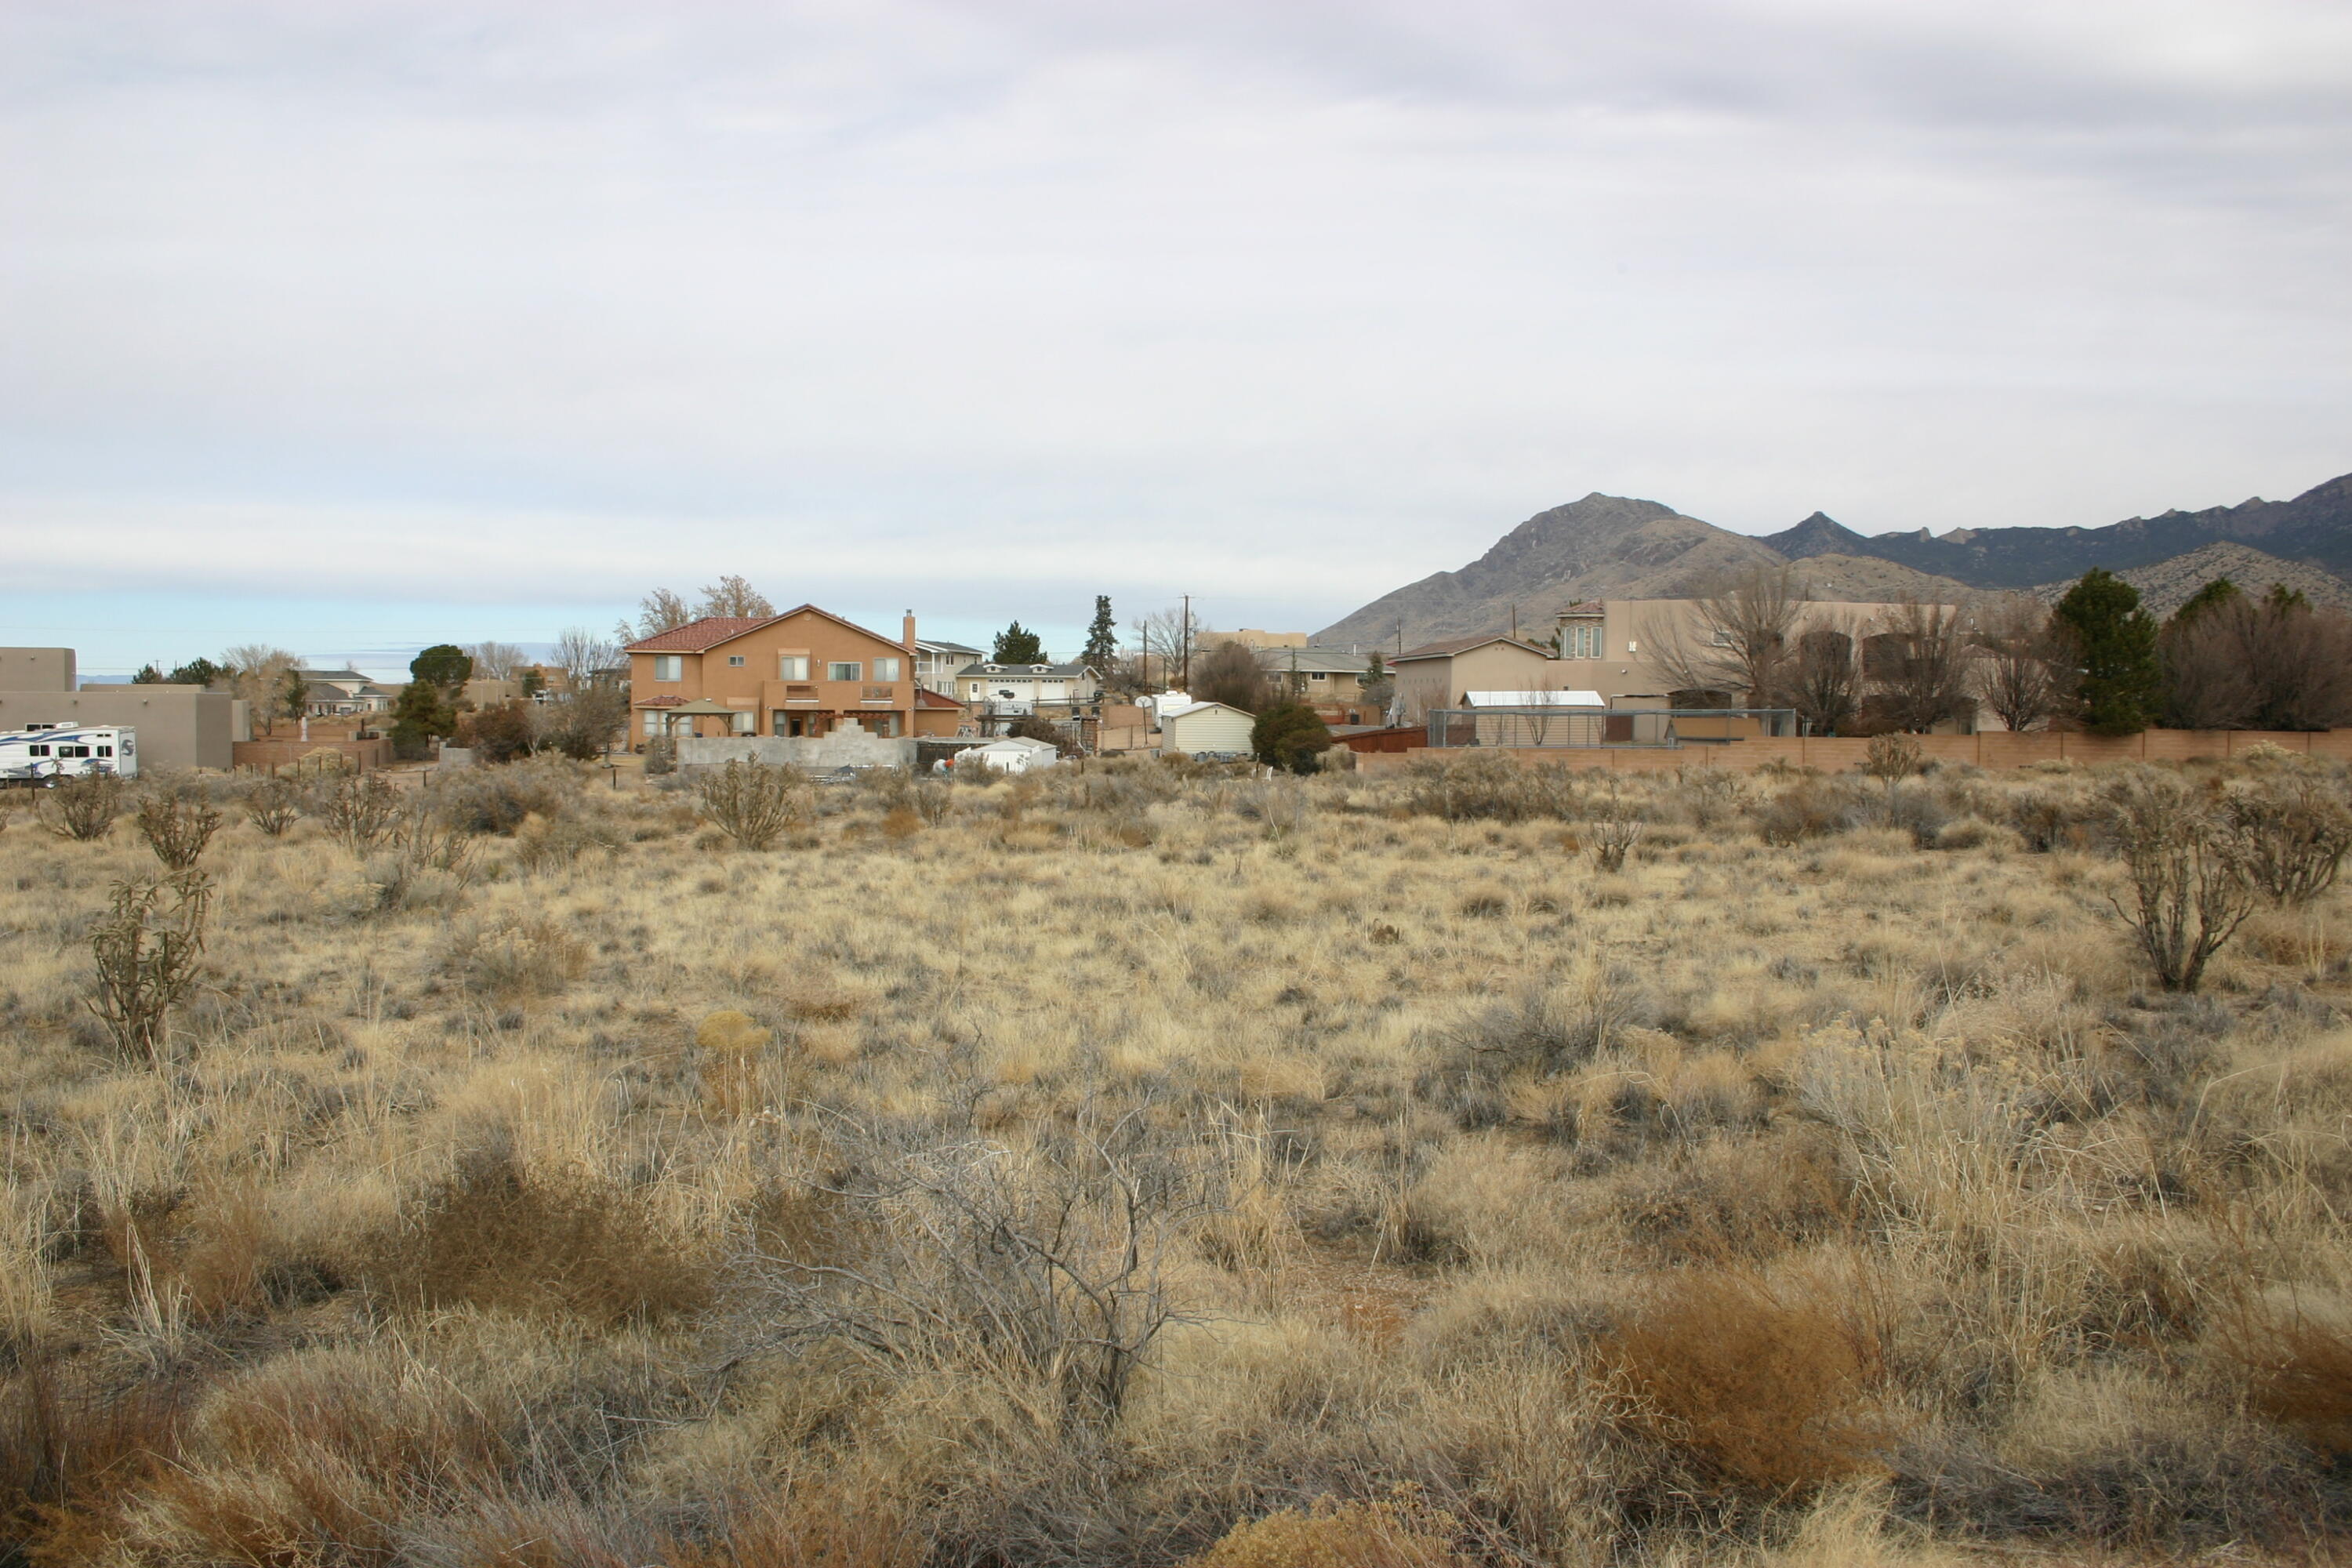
[{"x": 42, "y": 755}]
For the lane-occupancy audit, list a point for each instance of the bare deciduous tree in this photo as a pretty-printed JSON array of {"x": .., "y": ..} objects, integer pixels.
[
  {"x": 2269, "y": 663},
  {"x": 1230, "y": 673},
  {"x": 1823, "y": 682},
  {"x": 1740, "y": 643},
  {"x": 1160, "y": 646},
  {"x": 257, "y": 673},
  {"x": 496, "y": 660},
  {"x": 731, "y": 596},
  {"x": 1916, "y": 667},
  {"x": 659, "y": 611},
  {"x": 580, "y": 653},
  {"x": 2021, "y": 668}
]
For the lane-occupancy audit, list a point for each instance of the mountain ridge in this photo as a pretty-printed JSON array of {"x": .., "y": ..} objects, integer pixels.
[{"x": 1604, "y": 546}]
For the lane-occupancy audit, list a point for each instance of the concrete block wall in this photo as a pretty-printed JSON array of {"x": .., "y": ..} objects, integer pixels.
[
  {"x": 818, "y": 753},
  {"x": 1996, "y": 749}
]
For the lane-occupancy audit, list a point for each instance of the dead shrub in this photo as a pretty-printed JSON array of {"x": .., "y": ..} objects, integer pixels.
[
  {"x": 2292, "y": 830},
  {"x": 2297, "y": 1371},
  {"x": 510, "y": 960},
  {"x": 755, "y": 802},
  {"x": 1401, "y": 1529},
  {"x": 1760, "y": 1388},
  {"x": 67, "y": 1448},
  {"x": 1750, "y": 1199},
  {"x": 274, "y": 805},
  {"x": 359, "y": 810},
  {"x": 498, "y": 1237},
  {"x": 82, "y": 809},
  {"x": 2189, "y": 893},
  {"x": 1042, "y": 1265},
  {"x": 500, "y": 800},
  {"x": 1810, "y": 809},
  {"x": 178, "y": 826},
  {"x": 900, "y": 824}
]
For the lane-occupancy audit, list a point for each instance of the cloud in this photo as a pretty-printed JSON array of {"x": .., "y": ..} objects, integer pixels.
[{"x": 1024, "y": 297}]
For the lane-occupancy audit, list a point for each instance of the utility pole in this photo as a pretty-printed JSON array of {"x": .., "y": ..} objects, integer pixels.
[{"x": 1184, "y": 645}]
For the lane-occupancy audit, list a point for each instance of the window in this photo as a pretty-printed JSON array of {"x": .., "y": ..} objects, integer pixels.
[
  {"x": 886, "y": 670},
  {"x": 1580, "y": 641},
  {"x": 735, "y": 660},
  {"x": 845, "y": 670},
  {"x": 670, "y": 667},
  {"x": 37, "y": 751},
  {"x": 977, "y": 687},
  {"x": 653, "y": 722},
  {"x": 106, "y": 751},
  {"x": 793, "y": 666}
]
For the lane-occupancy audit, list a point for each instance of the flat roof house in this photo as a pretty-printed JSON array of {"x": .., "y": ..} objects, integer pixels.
[{"x": 804, "y": 672}]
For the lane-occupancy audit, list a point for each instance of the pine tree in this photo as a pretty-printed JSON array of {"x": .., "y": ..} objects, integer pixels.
[
  {"x": 1016, "y": 643},
  {"x": 1102, "y": 647},
  {"x": 2116, "y": 647},
  {"x": 428, "y": 706}
]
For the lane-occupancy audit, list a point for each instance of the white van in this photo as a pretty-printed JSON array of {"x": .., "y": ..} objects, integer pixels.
[{"x": 41, "y": 754}]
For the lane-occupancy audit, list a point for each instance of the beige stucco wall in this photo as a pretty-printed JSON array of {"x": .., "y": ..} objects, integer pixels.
[
  {"x": 37, "y": 670},
  {"x": 178, "y": 726}
]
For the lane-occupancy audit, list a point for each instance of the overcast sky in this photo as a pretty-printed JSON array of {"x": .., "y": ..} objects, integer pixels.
[{"x": 353, "y": 326}]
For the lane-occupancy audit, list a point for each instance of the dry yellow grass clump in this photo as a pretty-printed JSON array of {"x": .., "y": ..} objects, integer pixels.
[{"x": 1148, "y": 1164}]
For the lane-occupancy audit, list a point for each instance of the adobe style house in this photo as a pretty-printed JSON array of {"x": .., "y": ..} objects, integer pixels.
[
  {"x": 1443, "y": 674},
  {"x": 1619, "y": 648},
  {"x": 804, "y": 672}
]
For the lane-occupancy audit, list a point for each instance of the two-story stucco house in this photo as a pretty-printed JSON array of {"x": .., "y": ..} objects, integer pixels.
[{"x": 804, "y": 672}]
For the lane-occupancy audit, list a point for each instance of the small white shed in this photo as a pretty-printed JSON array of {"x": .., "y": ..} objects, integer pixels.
[{"x": 1206, "y": 730}]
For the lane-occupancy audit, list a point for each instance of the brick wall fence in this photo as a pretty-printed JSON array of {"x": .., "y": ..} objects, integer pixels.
[
  {"x": 1995, "y": 749},
  {"x": 269, "y": 756}
]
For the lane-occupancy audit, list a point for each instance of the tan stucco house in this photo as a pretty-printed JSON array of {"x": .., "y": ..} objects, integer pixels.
[{"x": 804, "y": 672}]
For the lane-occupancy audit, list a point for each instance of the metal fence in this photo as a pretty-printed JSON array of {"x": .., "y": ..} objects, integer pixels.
[{"x": 1555, "y": 728}]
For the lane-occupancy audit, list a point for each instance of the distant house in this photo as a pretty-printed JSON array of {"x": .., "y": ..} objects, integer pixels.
[
  {"x": 1443, "y": 674},
  {"x": 329, "y": 693},
  {"x": 804, "y": 672},
  {"x": 1206, "y": 730},
  {"x": 1329, "y": 679},
  {"x": 997, "y": 693},
  {"x": 936, "y": 663}
]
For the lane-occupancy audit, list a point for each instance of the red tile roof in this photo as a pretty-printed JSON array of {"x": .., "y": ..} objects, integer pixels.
[
  {"x": 927, "y": 698},
  {"x": 697, "y": 636}
]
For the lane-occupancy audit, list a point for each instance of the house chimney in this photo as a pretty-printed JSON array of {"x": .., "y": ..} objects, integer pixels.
[{"x": 907, "y": 633}]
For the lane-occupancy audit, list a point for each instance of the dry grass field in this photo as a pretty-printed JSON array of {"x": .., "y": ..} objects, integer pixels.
[{"x": 1144, "y": 1164}]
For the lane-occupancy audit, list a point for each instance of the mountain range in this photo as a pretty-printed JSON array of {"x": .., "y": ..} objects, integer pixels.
[{"x": 1615, "y": 547}]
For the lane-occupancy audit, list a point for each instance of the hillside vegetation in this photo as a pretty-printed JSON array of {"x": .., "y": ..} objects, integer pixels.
[{"x": 1146, "y": 1164}]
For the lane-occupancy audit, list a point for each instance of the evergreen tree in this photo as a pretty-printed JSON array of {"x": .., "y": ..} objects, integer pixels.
[
  {"x": 149, "y": 675},
  {"x": 1102, "y": 647},
  {"x": 1289, "y": 735},
  {"x": 1016, "y": 643},
  {"x": 196, "y": 672},
  {"x": 428, "y": 707},
  {"x": 293, "y": 694},
  {"x": 2115, "y": 646}
]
